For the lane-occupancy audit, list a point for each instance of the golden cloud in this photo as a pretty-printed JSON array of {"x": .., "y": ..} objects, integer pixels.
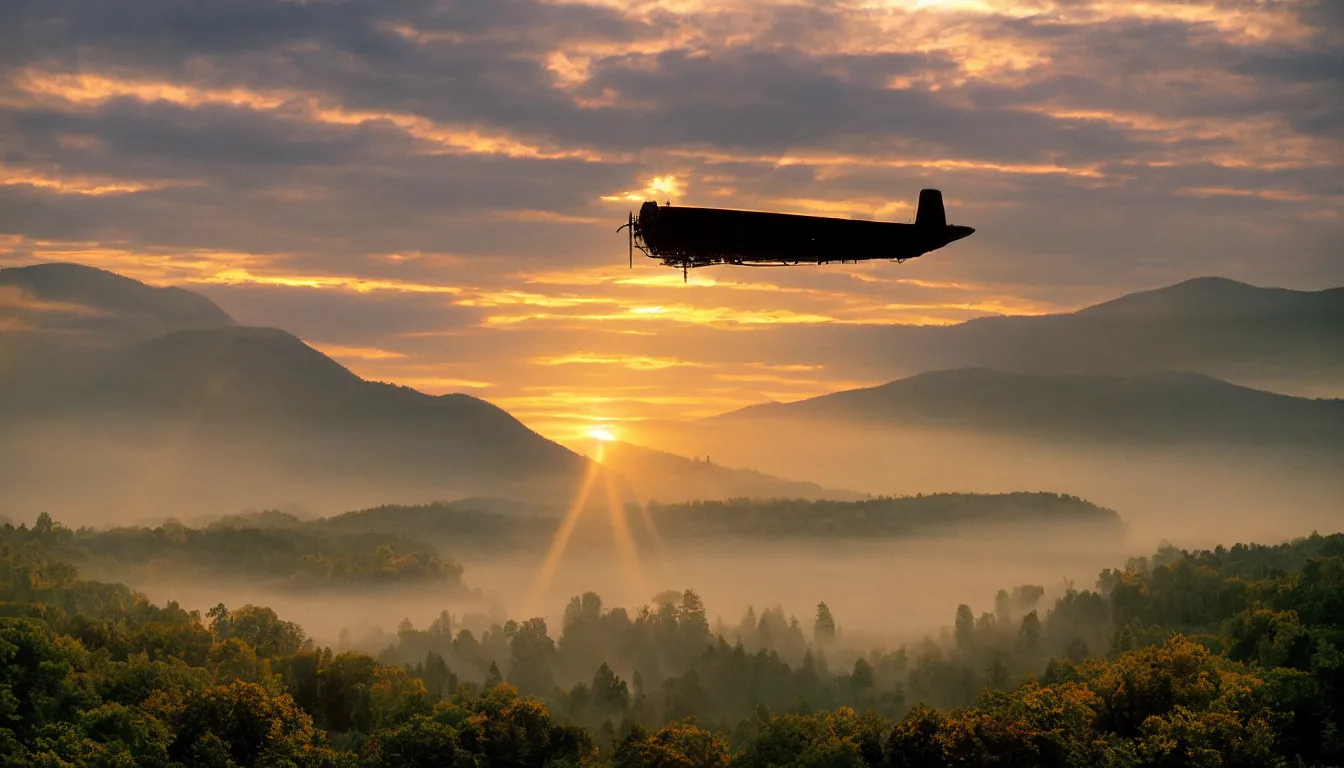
[
  {"x": 633, "y": 362},
  {"x": 658, "y": 188},
  {"x": 342, "y": 282},
  {"x": 507, "y": 298},
  {"x": 340, "y": 351},
  {"x": 14, "y": 298},
  {"x": 92, "y": 90},
  {"x": 69, "y": 184}
]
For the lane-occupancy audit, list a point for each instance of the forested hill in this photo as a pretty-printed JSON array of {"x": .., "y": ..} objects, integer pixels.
[
  {"x": 878, "y": 517},
  {"x": 274, "y": 551},
  {"x": 463, "y": 526}
]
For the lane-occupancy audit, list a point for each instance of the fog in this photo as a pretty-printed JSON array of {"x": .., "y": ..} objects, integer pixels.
[
  {"x": 883, "y": 594},
  {"x": 118, "y": 470},
  {"x": 1192, "y": 496}
]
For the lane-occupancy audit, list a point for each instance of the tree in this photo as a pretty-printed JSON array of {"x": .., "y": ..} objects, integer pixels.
[
  {"x": 913, "y": 742},
  {"x": 965, "y": 628},
  {"x": 248, "y": 725},
  {"x": 259, "y": 627},
  {"x": 493, "y": 678},
  {"x": 439, "y": 679},
  {"x": 532, "y": 656},
  {"x": 1029, "y": 634},
  {"x": 823, "y": 629},
  {"x": 418, "y": 743},
  {"x": 677, "y": 745},
  {"x": 862, "y": 678},
  {"x": 693, "y": 623},
  {"x": 610, "y": 694}
]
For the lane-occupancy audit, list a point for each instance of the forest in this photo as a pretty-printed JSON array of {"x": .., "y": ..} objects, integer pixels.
[
  {"x": 395, "y": 547},
  {"x": 1227, "y": 657},
  {"x": 879, "y": 516},
  {"x": 267, "y": 548}
]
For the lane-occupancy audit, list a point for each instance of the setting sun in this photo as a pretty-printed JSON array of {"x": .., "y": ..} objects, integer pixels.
[{"x": 601, "y": 433}]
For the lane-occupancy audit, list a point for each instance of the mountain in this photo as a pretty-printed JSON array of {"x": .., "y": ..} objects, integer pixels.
[
  {"x": 1220, "y": 298},
  {"x": 1155, "y": 408},
  {"x": 214, "y": 420},
  {"x": 1174, "y": 453},
  {"x": 668, "y": 478},
  {"x": 110, "y": 295},
  {"x": 63, "y": 319},
  {"x": 1268, "y": 338}
]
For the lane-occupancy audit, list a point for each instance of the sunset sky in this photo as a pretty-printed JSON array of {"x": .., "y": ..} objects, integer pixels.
[{"x": 429, "y": 190}]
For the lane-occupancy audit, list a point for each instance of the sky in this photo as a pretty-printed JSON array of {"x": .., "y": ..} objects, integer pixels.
[{"x": 429, "y": 190}]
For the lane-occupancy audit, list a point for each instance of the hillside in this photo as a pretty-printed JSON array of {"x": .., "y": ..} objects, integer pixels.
[
  {"x": 109, "y": 295},
  {"x": 1218, "y": 297},
  {"x": 1268, "y": 338},
  {"x": 877, "y": 517},
  {"x": 464, "y": 527},
  {"x": 219, "y": 419},
  {"x": 63, "y": 319},
  {"x": 1157, "y": 408},
  {"x": 666, "y": 477}
]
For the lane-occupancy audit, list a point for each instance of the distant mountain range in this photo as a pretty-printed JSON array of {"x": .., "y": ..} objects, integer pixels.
[
  {"x": 122, "y": 395},
  {"x": 113, "y": 389},
  {"x": 1166, "y": 408},
  {"x": 1268, "y": 338}
]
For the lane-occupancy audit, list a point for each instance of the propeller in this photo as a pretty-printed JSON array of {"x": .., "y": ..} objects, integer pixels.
[{"x": 630, "y": 224}]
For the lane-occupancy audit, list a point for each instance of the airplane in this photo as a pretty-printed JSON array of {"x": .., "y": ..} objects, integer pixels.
[{"x": 690, "y": 237}]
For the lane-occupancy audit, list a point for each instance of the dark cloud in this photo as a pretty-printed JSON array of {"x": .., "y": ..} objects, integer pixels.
[{"x": 333, "y": 316}]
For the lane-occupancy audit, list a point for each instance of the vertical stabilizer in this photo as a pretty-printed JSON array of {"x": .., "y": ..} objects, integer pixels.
[{"x": 930, "y": 212}]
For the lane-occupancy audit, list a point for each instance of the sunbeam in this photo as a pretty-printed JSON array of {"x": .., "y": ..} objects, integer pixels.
[
  {"x": 620, "y": 531},
  {"x": 562, "y": 539}
]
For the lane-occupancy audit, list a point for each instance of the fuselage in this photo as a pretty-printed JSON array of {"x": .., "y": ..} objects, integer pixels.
[{"x": 692, "y": 236}]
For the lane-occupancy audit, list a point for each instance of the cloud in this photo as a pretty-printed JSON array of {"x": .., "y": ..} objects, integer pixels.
[
  {"x": 15, "y": 299},
  {"x": 341, "y": 352},
  {"x": 633, "y": 362}
]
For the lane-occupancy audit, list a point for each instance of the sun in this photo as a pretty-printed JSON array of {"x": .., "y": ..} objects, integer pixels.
[{"x": 601, "y": 433}]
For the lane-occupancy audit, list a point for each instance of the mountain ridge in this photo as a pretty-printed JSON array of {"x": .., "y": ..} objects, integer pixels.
[
  {"x": 108, "y": 291},
  {"x": 1167, "y": 405}
]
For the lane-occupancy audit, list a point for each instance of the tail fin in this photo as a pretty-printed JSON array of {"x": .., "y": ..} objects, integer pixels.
[{"x": 930, "y": 212}]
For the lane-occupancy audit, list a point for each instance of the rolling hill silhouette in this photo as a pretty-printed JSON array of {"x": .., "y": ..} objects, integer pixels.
[
  {"x": 256, "y": 408},
  {"x": 669, "y": 478},
  {"x": 1268, "y": 338},
  {"x": 136, "y": 395},
  {"x": 1168, "y": 407},
  {"x": 252, "y": 416},
  {"x": 1219, "y": 297},
  {"x": 163, "y": 396}
]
